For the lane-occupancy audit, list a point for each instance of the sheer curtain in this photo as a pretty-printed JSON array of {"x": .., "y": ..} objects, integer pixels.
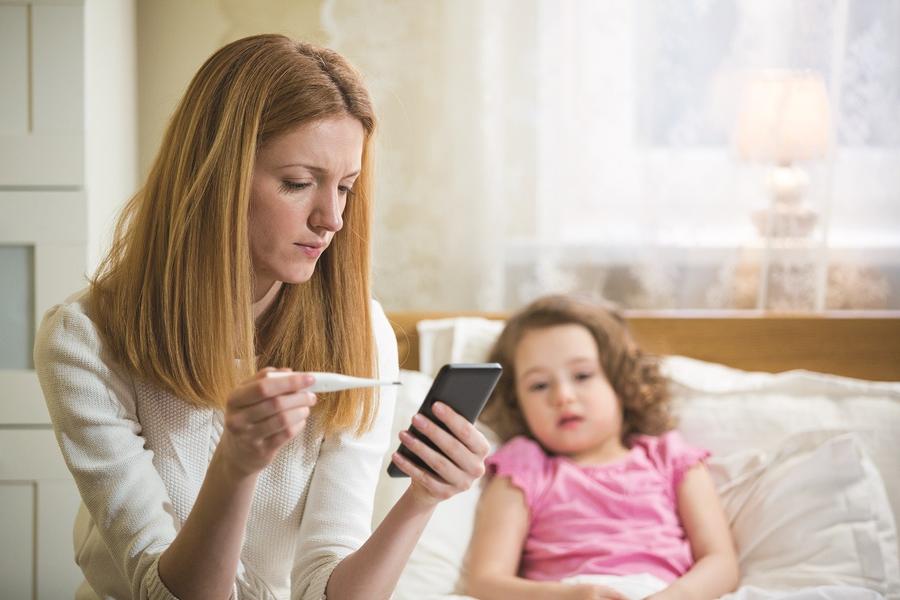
[{"x": 585, "y": 146}]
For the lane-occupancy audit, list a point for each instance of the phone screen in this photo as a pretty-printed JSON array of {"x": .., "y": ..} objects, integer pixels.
[{"x": 463, "y": 387}]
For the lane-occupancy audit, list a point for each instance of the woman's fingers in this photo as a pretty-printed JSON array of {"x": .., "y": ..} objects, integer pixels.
[
  {"x": 289, "y": 421},
  {"x": 264, "y": 409},
  {"x": 269, "y": 410},
  {"x": 279, "y": 421},
  {"x": 461, "y": 455},
  {"x": 260, "y": 387},
  {"x": 270, "y": 415},
  {"x": 462, "y": 460},
  {"x": 262, "y": 414},
  {"x": 265, "y": 371},
  {"x": 446, "y": 470},
  {"x": 435, "y": 488},
  {"x": 464, "y": 431}
]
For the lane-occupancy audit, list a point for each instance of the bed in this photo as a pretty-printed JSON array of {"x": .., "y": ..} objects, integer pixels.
[{"x": 802, "y": 414}]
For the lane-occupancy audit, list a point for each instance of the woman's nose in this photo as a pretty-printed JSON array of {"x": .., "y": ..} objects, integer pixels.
[{"x": 328, "y": 211}]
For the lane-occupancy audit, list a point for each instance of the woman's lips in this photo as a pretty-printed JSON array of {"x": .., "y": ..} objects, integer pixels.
[{"x": 311, "y": 251}]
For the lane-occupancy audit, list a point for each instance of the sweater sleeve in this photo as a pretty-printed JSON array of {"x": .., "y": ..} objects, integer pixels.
[
  {"x": 337, "y": 518},
  {"x": 91, "y": 404}
]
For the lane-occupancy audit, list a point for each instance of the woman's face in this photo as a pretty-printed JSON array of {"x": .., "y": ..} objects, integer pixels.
[
  {"x": 567, "y": 402},
  {"x": 301, "y": 180}
]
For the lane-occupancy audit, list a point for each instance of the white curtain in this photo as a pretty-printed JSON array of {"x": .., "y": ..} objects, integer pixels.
[{"x": 530, "y": 146}]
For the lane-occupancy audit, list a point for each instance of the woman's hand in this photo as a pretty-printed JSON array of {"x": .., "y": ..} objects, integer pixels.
[
  {"x": 466, "y": 452},
  {"x": 261, "y": 415}
]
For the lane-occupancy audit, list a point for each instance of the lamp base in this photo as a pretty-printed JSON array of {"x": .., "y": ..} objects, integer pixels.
[
  {"x": 785, "y": 222},
  {"x": 788, "y": 216}
]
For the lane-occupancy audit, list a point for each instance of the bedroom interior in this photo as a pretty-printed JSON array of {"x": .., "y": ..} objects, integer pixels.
[
  {"x": 798, "y": 411},
  {"x": 723, "y": 170}
]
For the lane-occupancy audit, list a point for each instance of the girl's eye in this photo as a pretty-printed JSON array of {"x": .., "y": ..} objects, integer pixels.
[
  {"x": 294, "y": 186},
  {"x": 583, "y": 375},
  {"x": 537, "y": 387}
]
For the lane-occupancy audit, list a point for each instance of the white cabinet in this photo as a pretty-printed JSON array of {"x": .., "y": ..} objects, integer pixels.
[
  {"x": 39, "y": 502},
  {"x": 42, "y": 102},
  {"x": 44, "y": 233}
]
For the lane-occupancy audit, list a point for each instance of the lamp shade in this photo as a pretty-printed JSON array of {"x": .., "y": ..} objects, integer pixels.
[{"x": 784, "y": 117}]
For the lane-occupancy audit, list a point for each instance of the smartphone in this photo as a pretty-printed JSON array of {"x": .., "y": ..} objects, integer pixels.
[{"x": 463, "y": 387}]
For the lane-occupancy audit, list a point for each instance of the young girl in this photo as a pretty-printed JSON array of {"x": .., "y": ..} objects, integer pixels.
[{"x": 592, "y": 495}]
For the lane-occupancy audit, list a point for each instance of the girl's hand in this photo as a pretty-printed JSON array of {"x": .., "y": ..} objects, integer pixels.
[
  {"x": 261, "y": 415},
  {"x": 593, "y": 592},
  {"x": 466, "y": 454},
  {"x": 666, "y": 594}
]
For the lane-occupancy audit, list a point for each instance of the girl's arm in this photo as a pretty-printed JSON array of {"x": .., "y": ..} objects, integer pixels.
[
  {"x": 501, "y": 525},
  {"x": 715, "y": 571}
]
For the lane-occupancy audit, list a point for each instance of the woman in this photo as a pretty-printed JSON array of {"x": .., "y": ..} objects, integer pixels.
[{"x": 247, "y": 247}]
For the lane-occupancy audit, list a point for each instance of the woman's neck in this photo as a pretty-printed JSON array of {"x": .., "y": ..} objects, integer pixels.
[{"x": 263, "y": 296}]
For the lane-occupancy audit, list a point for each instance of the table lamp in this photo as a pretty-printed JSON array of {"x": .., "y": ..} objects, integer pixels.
[{"x": 784, "y": 119}]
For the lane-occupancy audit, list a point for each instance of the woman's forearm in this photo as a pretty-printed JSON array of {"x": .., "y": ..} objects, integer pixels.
[
  {"x": 202, "y": 560},
  {"x": 373, "y": 570}
]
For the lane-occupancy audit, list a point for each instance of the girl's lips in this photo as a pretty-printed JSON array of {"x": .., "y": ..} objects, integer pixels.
[{"x": 569, "y": 422}]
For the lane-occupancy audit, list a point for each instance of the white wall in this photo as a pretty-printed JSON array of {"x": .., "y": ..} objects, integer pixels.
[
  {"x": 175, "y": 37},
  {"x": 111, "y": 106}
]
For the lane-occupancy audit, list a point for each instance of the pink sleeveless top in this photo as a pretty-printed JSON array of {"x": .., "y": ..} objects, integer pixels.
[{"x": 618, "y": 518}]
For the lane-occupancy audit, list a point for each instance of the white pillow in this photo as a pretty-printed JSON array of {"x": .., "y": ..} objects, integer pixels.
[
  {"x": 813, "y": 511},
  {"x": 728, "y": 410},
  {"x": 455, "y": 340}
]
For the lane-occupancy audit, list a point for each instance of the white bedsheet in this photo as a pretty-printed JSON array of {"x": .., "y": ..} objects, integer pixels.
[
  {"x": 634, "y": 587},
  {"x": 638, "y": 587},
  {"x": 628, "y": 586},
  {"x": 826, "y": 592}
]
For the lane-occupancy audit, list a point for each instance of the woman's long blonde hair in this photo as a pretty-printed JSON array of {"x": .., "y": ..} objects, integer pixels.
[{"x": 173, "y": 298}]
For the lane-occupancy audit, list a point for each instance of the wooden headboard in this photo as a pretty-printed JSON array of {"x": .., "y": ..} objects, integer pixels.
[{"x": 854, "y": 344}]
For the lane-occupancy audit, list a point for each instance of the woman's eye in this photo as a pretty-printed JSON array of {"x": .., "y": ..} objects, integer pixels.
[
  {"x": 294, "y": 186},
  {"x": 344, "y": 189}
]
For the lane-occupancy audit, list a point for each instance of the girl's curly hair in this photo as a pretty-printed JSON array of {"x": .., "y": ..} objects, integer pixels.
[{"x": 635, "y": 376}]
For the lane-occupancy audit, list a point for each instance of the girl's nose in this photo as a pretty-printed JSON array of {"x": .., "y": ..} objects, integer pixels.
[{"x": 563, "y": 394}]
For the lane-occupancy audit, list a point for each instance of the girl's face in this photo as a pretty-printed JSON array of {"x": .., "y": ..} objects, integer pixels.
[
  {"x": 567, "y": 402},
  {"x": 299, "y": 190}
]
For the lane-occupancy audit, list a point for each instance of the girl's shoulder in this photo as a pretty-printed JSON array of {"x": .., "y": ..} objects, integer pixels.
[
  {"x": 670, "y": 453},
  {"x": 521, "y": 451},
  {"x": 525, "y": 463}
]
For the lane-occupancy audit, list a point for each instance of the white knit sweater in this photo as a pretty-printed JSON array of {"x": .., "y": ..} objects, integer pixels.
[{"x": 139, "y": 455}]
